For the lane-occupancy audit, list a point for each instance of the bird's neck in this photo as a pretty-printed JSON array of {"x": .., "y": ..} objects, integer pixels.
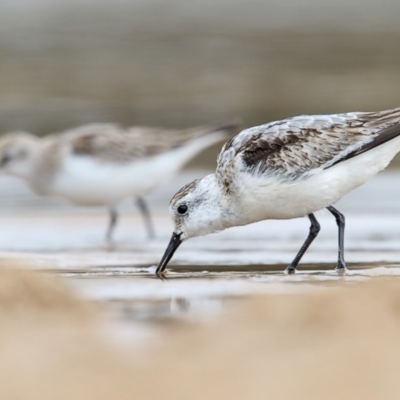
[{"x": 230, "y": 208}]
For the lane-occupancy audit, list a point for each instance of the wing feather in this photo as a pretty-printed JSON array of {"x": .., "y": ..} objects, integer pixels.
[
  {"x": 301, "y": 145},
  {"x": 110, "y": 142}
]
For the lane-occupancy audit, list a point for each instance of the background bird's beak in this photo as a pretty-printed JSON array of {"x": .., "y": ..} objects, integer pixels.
[
  {"x": 4, "y": 160},
  {"x": 172, "y": 246}
]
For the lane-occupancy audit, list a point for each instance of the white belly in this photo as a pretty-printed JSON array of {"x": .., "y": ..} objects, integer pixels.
[
  {"x": 87, "y": 181},
  {"x": 285, "y": 200}
]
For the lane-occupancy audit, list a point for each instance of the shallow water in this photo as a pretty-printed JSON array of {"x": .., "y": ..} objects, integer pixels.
[
  {"x": 135, "y": 294},
  {"x": 207, "y": 274}
]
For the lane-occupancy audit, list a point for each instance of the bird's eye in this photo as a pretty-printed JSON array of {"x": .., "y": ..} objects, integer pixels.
[
  {"x": 182, "y": 209},
  {"x": 5, "y": 159}
]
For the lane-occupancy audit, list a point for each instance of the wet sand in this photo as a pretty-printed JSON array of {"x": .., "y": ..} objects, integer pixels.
[{"x": 335, "y": 343}]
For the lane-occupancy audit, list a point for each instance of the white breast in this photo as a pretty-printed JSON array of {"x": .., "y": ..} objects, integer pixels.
[{"x": 269, "y": 198}]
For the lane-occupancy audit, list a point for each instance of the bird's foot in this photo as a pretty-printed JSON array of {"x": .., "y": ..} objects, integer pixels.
[
  {"x": 110, "y": 245},
  {"x": 290, "y": 270},
  {"x": 162, "y": 275},
  {"x": 341, "y": 268}
]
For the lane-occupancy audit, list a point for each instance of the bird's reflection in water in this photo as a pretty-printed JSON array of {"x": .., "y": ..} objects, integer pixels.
[{"x": 196, "y": 307}]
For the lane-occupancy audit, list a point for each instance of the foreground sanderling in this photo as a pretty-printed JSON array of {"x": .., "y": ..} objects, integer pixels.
[
  {"x": 286, "y": 169},
  {"x": 101, "y": 164}
]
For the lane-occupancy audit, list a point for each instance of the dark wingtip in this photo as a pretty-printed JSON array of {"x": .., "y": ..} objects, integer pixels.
[
  {"x": 232, "y": 126},
  {"x": 385, "y": 135}
]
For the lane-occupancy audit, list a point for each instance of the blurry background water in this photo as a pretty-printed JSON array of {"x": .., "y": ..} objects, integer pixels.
[{"x": 177, "y": 63}]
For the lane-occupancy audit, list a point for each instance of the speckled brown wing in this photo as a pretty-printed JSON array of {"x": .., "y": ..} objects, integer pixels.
[
  {"x": 112, "y": 143},
  {"x": 172, "y": 138},
  {"x": 111, "y": 147},
  {"x": 299, "y": 146}
]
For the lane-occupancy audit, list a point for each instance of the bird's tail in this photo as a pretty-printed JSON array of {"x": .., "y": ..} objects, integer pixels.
[
  {"x": 223, "y": 130},
  {"x": 382, "y": 119}
]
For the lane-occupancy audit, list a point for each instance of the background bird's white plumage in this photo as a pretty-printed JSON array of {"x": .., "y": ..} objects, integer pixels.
[
  {"x": 102, "y": 163},
  {"x": 85, "y": 179}
]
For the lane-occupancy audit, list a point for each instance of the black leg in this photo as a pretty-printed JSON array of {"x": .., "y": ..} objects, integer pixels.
[
  {"x": 112, "y": 223},
  {"x": 340, "y": 221},
  {"x": 146, "y": 216},
  {"x": 314, "y": 229}
]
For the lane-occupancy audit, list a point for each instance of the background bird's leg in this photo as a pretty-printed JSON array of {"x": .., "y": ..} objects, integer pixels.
[
  {"x": 314, "y": 229},
  {"x": 146, "y": 216},
  {"x": 113, "y": 221},
  {"x": 340, "y": 221}
]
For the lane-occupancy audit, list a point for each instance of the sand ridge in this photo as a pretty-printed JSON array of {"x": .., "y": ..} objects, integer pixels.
[{"x": 336, "y": 343}]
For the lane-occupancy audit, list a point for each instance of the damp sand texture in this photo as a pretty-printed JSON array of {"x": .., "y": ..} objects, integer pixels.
[{"x": 338, "y": 343}]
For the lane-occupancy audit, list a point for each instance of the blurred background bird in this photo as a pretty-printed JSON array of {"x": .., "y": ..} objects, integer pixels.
[{"x": 101, "y": 164}]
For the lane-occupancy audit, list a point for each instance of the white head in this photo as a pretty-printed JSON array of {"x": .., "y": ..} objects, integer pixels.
[
  {"x": 18, "y": 153},
  {"x": 198, "y": 209}
]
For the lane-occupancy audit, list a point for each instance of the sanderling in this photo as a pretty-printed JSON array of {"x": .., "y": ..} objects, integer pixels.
[
  {"x": 101, "y": 164},
  {"x": 286, "y": 169}
]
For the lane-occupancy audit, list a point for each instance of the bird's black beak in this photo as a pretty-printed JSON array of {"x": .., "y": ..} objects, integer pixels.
[{"x": 172, "y": 246}]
